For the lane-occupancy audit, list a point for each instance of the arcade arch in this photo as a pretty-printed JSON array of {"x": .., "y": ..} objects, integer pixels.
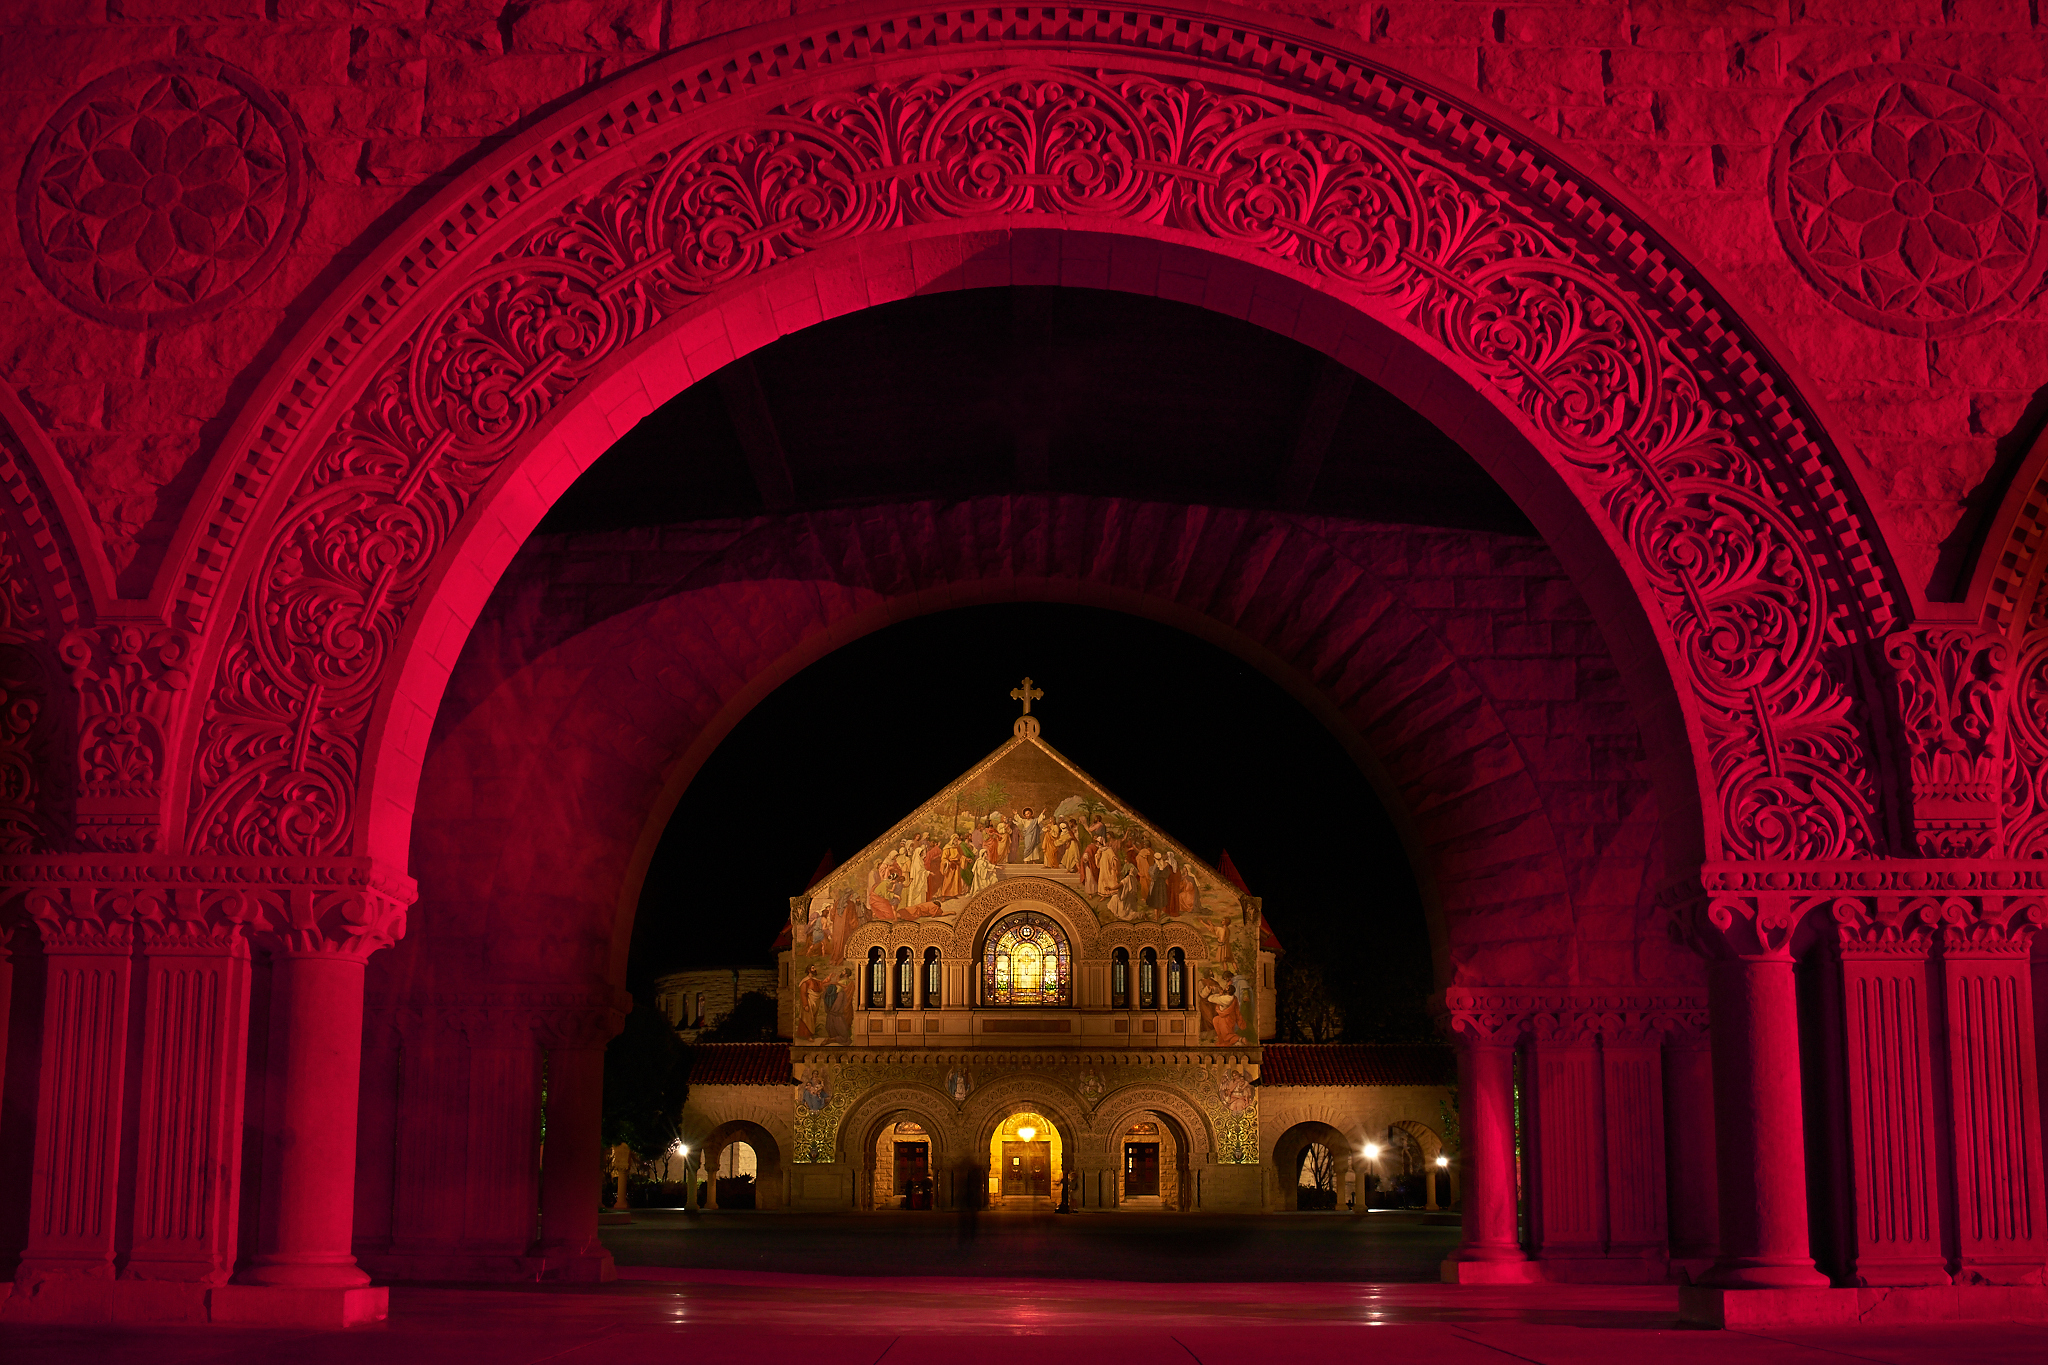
[
  {"x": 764, "y": 1162},
  {"x": 1292, "y": 1149},
  {"x": 383, "y": 476}
]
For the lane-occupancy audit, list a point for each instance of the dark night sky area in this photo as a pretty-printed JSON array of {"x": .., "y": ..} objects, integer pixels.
[{"x": 1195, "y": 740}]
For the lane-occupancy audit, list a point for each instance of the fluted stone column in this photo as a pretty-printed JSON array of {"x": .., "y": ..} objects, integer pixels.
[{"x": 87, "y": 934}]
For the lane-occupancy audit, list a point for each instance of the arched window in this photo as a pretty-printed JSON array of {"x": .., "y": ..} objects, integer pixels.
[
  {"x": 1026, "y": 962},
  {"x": 1148, "y": 979},
  {"x": 1120, "y": 979},
  {"x": 878, "y": 980},
  {"x": 906, "y": 980},
  {"x": 697, "y": 1020},
  {"x": 1176, "y": 979},
  {"x": 931, "y": 978}
]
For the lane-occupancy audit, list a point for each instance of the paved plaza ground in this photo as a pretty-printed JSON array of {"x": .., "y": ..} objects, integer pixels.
[
  {"x": 1048, "y": 1291},
  {"x": 1398, "y": 1247}
]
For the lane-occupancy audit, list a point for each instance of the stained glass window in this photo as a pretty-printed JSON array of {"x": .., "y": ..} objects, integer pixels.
[{"x": 1027, "y": 962}]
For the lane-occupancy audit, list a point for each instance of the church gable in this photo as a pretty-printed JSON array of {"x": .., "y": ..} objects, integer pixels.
[{"x": 1027, "y": 811}]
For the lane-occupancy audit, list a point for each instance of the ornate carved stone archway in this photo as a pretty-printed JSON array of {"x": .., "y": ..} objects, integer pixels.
[
  {"x": 682, "y": 216},
  {"x": 1117, "y": 1110},
  {"x": 936, "y": 1111}
]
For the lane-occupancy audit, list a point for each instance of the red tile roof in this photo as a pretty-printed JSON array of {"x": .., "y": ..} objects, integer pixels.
[
  {"x": 1269, "y": 942},
  {"x": 739, "y": 1064},
  {"x": 1357, "y": 1064}
]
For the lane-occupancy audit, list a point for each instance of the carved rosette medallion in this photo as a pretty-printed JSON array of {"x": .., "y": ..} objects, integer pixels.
[
  {"x": 161, "y": 193},
  {"x": 1910, "y": 198}
]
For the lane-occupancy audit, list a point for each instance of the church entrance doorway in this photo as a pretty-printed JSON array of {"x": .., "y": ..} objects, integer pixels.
[
  {"x": 1027, "y": 1170},
  {"x": 901, "y": 1161},
  {"x": 1152, "y": 1171},
  {"x": 1026, "y": 1163},
  {"x": 914, "y": 1174},
  {"x": 1141, "y": 1169}
]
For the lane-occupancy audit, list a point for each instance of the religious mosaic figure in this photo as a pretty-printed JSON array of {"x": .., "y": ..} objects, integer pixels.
[
  {"x": 838, "y": 998},
  {"x": 1030, "y": 832},
  {"x": 958, "y": 1084}
]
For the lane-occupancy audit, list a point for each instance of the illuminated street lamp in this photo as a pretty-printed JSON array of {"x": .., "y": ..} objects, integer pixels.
[{"x": 1443, "y": 1163}]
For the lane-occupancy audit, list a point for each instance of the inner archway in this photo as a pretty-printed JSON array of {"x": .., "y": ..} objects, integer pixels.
[
  {"x": 1314, "y": 1168},
  {"x": 1028, "y": 1172}
]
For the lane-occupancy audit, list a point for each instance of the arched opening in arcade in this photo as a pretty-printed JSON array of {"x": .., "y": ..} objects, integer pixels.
[
  {"x": 742, "y": 1165},
  {"x": 1027, "y": 1169},
  {"x": 741, "y": 524},
  {"x": 905, "y": 1164},
  {"x": 1312, "y": 1168},
  {"x": 683, "y": 396}
]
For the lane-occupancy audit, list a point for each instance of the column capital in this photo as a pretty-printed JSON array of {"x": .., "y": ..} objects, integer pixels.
[
  {"x": 1987, "y": 925},
  {"x": 352, "y": 923},
  {"x": 1950, "y": 685},
  {"x": 131, "y": 680},
  {"x": 111, "y": 901},
  {"x": 82, "y": 919},
  {"x": 1883, "y": 926}
]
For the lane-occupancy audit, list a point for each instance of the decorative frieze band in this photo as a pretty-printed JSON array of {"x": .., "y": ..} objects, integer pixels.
[
  {"x": 112, "y": 901},
  {"x": 1617, "y": 1014},
  {"x": 1768, "y": 924}
]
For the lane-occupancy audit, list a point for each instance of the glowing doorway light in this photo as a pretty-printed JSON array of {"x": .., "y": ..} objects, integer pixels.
[{"x": 1026, "y": 1133}]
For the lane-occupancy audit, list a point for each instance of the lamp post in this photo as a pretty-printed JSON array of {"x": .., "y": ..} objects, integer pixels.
[
  {"x": 683, "y": 1150},
  {"x": 1372, "y": 1156},
  {"x": 1443, "y": 1166}
]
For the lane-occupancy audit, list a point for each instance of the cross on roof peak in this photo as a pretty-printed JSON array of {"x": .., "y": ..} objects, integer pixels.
[{"x": 1026, "y": 694}]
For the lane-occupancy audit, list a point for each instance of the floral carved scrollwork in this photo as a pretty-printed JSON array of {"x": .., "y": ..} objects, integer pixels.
[
  {"x": 2023, "y": 806},
  {"x": 1951, "y": 689},
  {"x": 1601, "y": 368},
  {"x": 129, "y": 680},
  {"x": 24, "y": 708}
]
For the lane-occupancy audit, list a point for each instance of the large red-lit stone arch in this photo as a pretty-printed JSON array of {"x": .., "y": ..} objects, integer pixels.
[
  {"x": 689, "y": 213},
  {"x": 258, "y": 730}
]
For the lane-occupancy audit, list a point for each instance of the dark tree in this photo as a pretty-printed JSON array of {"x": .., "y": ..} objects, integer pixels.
[
  {"x": 646, "y": 1080},
  {"x": 752, "y": 1021},
  {"x": 1308, "y": 1012}
]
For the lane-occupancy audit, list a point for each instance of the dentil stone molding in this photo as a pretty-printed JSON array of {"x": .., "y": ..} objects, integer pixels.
[{"x": 685, "y": 180}]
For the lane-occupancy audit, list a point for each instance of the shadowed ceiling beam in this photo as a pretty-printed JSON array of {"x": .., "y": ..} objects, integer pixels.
[
  {"x": 747, "y": 405},
  {"x": 1327, "y": 396}
]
